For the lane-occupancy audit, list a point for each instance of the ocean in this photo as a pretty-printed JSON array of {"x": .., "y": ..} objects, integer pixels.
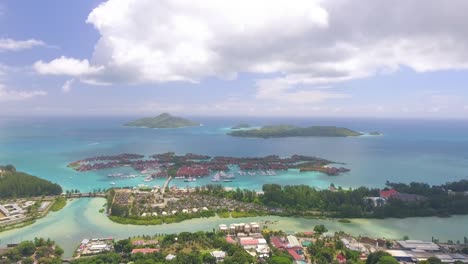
[{"x": 432, "y": 151}]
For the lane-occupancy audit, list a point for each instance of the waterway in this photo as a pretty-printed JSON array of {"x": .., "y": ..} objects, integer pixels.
[{"x": 80, "y": 219}]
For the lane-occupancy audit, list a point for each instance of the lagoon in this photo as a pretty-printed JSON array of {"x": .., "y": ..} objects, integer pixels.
[{"x": 80, "y": 219}]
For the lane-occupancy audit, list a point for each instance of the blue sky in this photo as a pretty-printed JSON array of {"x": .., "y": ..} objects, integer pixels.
[{"x": 256, "y": 58}]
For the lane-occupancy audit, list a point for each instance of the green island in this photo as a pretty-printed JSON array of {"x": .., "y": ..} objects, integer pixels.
[
  {"x": 375, "y": 133},
  {"x": 163, "y": 120},
  {"x": 278, "y": 131},
  {"x": 241, "y": 126}
]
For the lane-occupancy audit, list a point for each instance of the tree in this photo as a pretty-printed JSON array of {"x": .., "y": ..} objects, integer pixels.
[
  {"x": 320, "y": 229},
  {"x": 387, "y": 260},
  {"x": 374, "y": 257},
  {"x": 208, "y": 258},
  {"x": 432, "y": 260},
  {"x": 26, "y": 248},
  {"x": 279, "y": 260}
]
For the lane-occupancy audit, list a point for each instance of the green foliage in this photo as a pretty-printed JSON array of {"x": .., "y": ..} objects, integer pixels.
[
  {"x": 375, "y": 257},
  {"x": 293, "y": 131},
  {"x": 15, "y": 184},
  {"x": 156, "y": 220},
  {"x": 40, "y": 250},
  {"x": 387, "y": 260},
  {"x": 164, "y": 120},
  {"x": 59, "y": 203},
  {"x": 307, "y": 201},
  {"x": 432, "y": 260},
  {"x": 26, "y": 248},
  {"x": 320, "y": 229}
]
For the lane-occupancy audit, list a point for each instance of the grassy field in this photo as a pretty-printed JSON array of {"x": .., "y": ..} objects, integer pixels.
[{"x": 59, "y": 203}]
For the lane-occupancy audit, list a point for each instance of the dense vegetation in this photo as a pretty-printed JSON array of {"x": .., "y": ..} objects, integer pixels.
[
  {"x": 164, "y": 120},
  {"x": 307, "y": 201},
  {"x": 15, "y": 184},
  {"x": 294, "y": 131},
  {"x": 187, "y": 247},
  {"x": 123, "y": 218},
  {"x": 37, "y": 251}
]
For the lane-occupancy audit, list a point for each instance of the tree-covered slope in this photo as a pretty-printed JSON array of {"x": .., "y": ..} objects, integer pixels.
[
  {"x": 15, "y": 184},
  {"x": 164, "y": 120},
  {"x": 293, "y": 131}
]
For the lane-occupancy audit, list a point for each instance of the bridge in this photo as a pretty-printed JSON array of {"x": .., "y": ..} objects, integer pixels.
[{"x": 166, "y": 184}]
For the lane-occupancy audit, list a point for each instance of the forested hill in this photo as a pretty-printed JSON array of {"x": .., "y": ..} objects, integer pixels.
[{"x": 15, "y": 184}]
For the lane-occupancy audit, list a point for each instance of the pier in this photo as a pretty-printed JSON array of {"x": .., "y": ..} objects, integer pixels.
[{"x": 166, "y": 184}]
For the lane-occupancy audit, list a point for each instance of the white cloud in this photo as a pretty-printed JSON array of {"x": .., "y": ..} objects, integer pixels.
[
  {"x": 66, "y": 87},
  {"x": 12, "y": 95},
  {"x": 7, "y": 44},
  {"x": 280, "y": 89},
  {"x": 306, "y": 43},
  {"x": 66, "y": 66}
]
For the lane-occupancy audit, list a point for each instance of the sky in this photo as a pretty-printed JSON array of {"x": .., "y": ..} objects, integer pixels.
[{"x": 305, "y": 58}]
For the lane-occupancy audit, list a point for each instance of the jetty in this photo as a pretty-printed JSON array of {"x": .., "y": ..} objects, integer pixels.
[{"x": 166, "y": 183}]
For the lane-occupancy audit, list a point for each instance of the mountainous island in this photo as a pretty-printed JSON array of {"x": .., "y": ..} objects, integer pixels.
[
  {"x": 14, "y": 184},
  {"x": 163, "y": 120},
  {"x": 295, "y": 131}
]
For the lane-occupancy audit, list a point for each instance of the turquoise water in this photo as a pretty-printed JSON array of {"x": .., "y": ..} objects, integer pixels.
[
  {"x": 410, "y": 150},
  {"x": 80, "y": 219}
]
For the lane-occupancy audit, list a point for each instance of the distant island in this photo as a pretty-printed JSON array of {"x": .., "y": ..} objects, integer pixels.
[
  {"x": 163, "y": 120},
  {"x": 375, "y": 133},
  {"x": 14, "y": 184},
  {"x": 241, "y": 126},
  {"x": 294, "y": 131}
]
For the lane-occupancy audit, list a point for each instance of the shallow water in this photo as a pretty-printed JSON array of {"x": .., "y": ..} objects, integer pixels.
[
  {"x": 80, "y": 219},
  {"x": 409, "y": 150}
]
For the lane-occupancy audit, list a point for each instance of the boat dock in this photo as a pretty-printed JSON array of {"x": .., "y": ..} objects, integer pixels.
[{"x": 166, "y": 184}]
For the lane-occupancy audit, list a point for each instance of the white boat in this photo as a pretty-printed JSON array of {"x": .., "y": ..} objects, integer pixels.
[
  {"x": 216, "y": 177},
  {"x": 190, "y": 179},
  {"x": 224, "y": 175},
  {"x": 251, "y": 173},
  {"x": 112, "y": 183}
]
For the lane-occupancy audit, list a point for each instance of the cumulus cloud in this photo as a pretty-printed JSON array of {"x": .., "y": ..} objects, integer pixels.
[
  {"x": 66, "y": 66},
  {"x": 7, "y": 44},
  {"x": 307, "y": 43},
  {"x": 13, "y": 95}
]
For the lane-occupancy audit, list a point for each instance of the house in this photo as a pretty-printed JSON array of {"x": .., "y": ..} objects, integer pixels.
[
  {"x": 170, "y": 257},
  {"x": 388, "y": 193},
  {"x": 219, "y": 255},
  {"x": 376, "y": 201},
  {"x": 295, "y": 255}
]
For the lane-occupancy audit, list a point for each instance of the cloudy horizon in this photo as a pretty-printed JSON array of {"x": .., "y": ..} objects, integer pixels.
[{"x": 405, "y": 59}]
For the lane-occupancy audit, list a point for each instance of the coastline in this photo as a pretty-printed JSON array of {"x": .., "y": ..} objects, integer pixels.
[{"x": 68, "y": 230}]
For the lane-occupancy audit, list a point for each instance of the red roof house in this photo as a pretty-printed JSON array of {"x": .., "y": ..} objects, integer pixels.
[
  {"x": 294, "y": 254},
  {"x": 388, "y": 194}
]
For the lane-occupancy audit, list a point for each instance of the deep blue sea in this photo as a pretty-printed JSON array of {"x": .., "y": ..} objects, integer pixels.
[{"x": 433, "y": 151}]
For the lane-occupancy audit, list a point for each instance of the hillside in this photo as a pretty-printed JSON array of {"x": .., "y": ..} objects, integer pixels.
[
  {"x": 15, "y": 184},
  {"x": 164, "y": 120},
  {"x": 294, "y": 131}
]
